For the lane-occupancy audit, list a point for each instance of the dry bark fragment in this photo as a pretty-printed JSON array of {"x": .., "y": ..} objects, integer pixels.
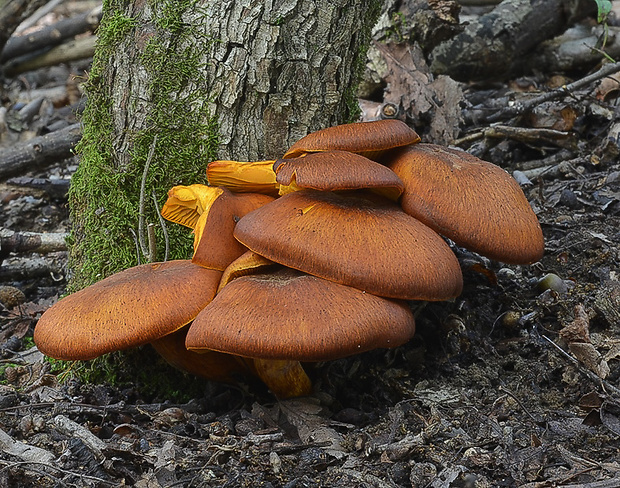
[{"x": 494, "y": 46}]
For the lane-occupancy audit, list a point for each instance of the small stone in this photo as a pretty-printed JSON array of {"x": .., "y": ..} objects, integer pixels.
[
  {"x": 551, "y": 281},
  {"x": 569, "y": 199}
]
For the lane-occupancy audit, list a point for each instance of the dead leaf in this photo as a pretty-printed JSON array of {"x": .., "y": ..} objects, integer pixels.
[
  {"x": 312, "y": 427},
  {"x": 590, "y": 400},
  {"x": 608, "y": 85},
  {"x": 579, "y": 329},
  {"x": 587, "y": 354},
  {"x": 431, "y": 103},
  {"x": 551, "y": 115}
]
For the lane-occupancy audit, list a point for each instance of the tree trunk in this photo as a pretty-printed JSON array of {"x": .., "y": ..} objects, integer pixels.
[{"x": 177, "y": 84}]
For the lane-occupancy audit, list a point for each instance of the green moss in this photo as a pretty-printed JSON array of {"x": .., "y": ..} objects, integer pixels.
[
  {"x": 113, "y": 30},
  {"x": 350, "y": 94},
  {"x": 105, "y": 191},
  {"x": 104, "y": 197}
]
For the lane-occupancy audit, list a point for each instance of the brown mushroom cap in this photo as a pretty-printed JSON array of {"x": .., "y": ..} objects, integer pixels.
[
  {"x": 248, "y": 263},
  {"x": 291, "y": 315},
  {"x": 211, "y": 365},
  {"x": 128, "y": 309},
  {"x": 366, "y": 138},
  {"x": 337, "y": 170},
  {"x": 214, "y": 244},
  {"x": 475, "y": 203},
  {"x": 372, "y": 246},
  {"x": 284, "y": 378}
]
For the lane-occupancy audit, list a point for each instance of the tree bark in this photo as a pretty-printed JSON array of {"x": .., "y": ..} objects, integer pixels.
[{"x": 177, "y": 84}]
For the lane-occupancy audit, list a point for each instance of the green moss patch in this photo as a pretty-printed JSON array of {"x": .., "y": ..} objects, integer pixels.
[{"x": 105, "y": 193}]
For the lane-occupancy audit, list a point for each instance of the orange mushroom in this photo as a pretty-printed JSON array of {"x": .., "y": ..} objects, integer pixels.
[
  {"x": 283, "y": 317},
  {"x": 369, "y": 139},
  {"x": 213, "y": 212},
  {"x": 243, "y": 177},
  {"x": 475, "y": 203},
  {"x": 185, "y": 204},
  {"x": 287, "y": 314},
  {"x": 247, "y": 263},
  {"x": 133, "y": 307},
  {"x": 335, "y": 171},
  {"x": 369, "y": 244},
  {"x": 212, "y": 365}
]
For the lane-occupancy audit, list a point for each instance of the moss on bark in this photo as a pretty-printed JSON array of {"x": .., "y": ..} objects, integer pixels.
[{"x": 106, "y": 190}]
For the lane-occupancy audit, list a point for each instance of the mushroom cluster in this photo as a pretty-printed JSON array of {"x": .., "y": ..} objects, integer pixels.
[{"x": 310, "y": 257}]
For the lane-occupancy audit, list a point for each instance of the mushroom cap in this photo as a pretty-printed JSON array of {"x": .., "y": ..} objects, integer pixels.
[
  {"x": 214, "y": 244},
  {"x": 291, "y": 315},
  {"x": 475, "y": 203},
  {"x": 337, "y": 170},
  {"x": 128, "y": 309},
  {"x": 366, "y": 138},
  {"x": 370, "y": 245},
  {"x": 248, "y": 263},
  {"x": 185, "y": 204},
  {"x": 243, "y": 176},
  {"x": 212, "y": 365}
]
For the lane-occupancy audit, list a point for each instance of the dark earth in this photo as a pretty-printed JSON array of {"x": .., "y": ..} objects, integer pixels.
[{"x": 514, "y": 383}]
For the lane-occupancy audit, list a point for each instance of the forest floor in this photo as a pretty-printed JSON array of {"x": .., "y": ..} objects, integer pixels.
[{"x": 514, "y": 383}]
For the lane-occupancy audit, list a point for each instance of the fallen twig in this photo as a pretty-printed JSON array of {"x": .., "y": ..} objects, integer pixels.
[
  {"x": 21, "y": 269},
  {"x": 24, "y": 451},
  {"x": 522, "y": 134},
  {"x": 49, "y": 465},
  {"x": 41, "y": 12},
  {"x": 523, "y": 107},
  {"x": 56, "y": 188},
  {"x": 605, "y": 385},
  {"x": 51, "y": 35},
  {"x": 73, "y": 429},
  {"x": 13, "y": 13},
  {"x": 553, "y": 171},
  {"x": 21, "y": 242},
  {"x": 40, "y": 151},
  {"x": 73, "y": 50}
]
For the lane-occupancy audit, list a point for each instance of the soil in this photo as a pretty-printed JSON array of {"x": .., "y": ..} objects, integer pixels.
[{"x": 514, "y": 383}]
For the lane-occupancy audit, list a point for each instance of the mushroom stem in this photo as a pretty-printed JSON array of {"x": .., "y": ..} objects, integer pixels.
[
  {"x": 286, "y": 379},
  {"x": 244, "y": 177}
]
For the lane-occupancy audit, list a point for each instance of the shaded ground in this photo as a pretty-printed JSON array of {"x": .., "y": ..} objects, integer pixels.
[{"x": 512, "y": 384}]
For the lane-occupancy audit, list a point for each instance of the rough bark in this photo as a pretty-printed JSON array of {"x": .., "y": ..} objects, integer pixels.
[{"x": 195, "y": 81}]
